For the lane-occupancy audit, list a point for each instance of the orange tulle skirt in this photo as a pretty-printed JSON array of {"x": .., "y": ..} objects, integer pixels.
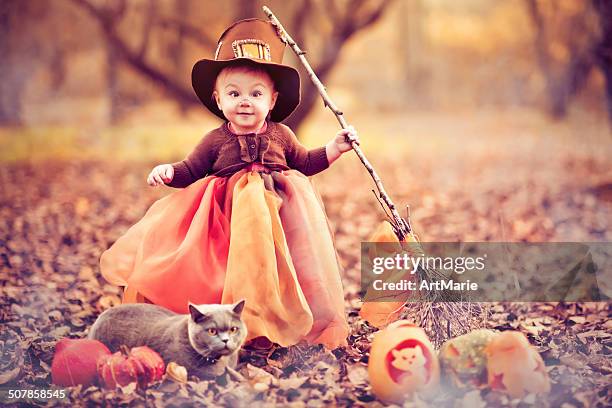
[{"x": 256, "y": 235}]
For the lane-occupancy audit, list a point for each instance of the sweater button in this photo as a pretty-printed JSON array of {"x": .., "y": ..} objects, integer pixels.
[
  {"x": 252, "y": 146},
  {"x": 253, "y": 156}
]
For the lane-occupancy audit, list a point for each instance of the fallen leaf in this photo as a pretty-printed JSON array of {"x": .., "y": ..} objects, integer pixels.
[
  {"x": 357, "y": 374},
  {"x": 293, "y": 382}
]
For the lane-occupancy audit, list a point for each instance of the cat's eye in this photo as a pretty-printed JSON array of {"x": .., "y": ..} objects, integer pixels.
[
  {"x": 233, "y": 329},
  {"x": 212, "y": 331}
]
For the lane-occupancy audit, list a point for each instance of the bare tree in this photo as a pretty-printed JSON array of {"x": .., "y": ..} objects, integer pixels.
[
  {"x": 343, "y": 18},
  {"x": 604, "y": 48},
  {"x": 19, "y": 57},
  {"x": 575, "y": 35},
  {"x": 345, "y": 21},
  {"x": 176, "y": 47}
]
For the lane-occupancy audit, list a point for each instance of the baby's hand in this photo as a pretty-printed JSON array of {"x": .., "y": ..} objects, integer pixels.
[
  {"x": 160, "y": 175},
  {"x": 344, "y": 138}
]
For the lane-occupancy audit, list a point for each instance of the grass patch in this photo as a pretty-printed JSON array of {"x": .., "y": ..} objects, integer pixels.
[
  {"x": 125, "y": 143},
  {"x": 114, "y": 143}
]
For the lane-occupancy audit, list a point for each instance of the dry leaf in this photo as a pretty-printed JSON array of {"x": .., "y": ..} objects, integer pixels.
[
  {"x": 176, "y": 372},
  {"x": 293, "y": 382},
  {"x": 357, "y": 374},
  {"x": 10, "y": 375},
  {"x": 256, "y": 375}
]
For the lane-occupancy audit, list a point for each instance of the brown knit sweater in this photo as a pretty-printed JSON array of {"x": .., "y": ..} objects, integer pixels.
[{"x": 223, "y": 153}]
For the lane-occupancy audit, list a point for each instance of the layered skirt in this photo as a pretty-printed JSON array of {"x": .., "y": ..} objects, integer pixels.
[{"x": 257, "y": 235}]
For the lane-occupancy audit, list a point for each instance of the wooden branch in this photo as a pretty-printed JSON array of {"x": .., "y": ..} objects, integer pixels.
[
  {"x": 118, "y": 11},
  {"x": 357, "y": 19},
  {"x": 189, "y": 30},
  {"x": 147, "y": 27},
  {"x": 245, "y": 9},
  {"x": 374, "y": 15},
  {"x": 343, "y": 29},
  {"x": 400, "y": 226},
  {"x": 333, "y": 10},
  {"x": 107, "y": 22},
  {"x": 299, "y": 19}
]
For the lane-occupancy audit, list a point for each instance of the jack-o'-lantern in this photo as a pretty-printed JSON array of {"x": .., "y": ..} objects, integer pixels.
[{"x": 402, "y": 362}]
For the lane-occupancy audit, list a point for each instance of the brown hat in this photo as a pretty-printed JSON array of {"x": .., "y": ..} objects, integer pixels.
[{"x": 250, "y": 41}]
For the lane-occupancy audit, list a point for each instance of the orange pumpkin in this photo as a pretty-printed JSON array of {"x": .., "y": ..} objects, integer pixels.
[
  {"x": 514, "y": 366},
  {"x": 381, "y": 312},
  {"x": 141, "y": 365},
  {"x": 402, "y": 362}
]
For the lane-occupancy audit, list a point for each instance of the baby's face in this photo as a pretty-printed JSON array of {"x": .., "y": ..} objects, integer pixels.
[{"x": 245, "y": 98}]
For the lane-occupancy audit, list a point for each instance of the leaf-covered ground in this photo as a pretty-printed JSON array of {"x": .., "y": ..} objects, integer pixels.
[{"x": 57, "y": 217}]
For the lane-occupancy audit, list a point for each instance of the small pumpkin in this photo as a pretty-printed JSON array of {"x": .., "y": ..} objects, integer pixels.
[
  {"x": 514, "y": 366},
  {"x": 463, "y": 358},
  {"x": 74, "y": 361},
  {"x": 141, "y": 365},
  {"x": 402, "y": 361}
]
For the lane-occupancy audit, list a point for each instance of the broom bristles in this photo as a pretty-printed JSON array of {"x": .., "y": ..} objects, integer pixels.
[{"x": 445, "y": 320}]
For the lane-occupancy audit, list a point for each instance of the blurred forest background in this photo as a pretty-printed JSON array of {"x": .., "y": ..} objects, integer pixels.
[
  {"x": 100, "y": 63},
  {"x": 491, "y": 118}
]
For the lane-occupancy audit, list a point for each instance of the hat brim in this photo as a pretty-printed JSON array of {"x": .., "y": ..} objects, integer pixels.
[{"x": 286, "y": 81}]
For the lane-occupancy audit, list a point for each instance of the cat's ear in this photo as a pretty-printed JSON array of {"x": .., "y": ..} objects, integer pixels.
[
  {"x": 395, "y": 353},
  {"x": 238, "y": 306},
  {"x": 196, "y": 315}
]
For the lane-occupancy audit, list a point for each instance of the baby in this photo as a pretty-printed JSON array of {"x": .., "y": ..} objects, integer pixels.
[
  {"x": 246, "y": 222},
  {"x": 246, "y": 95}
]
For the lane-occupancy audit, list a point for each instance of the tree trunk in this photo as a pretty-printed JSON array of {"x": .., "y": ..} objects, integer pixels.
[
  {"x": 247, "y": 9},
  {"x": 112, "y": 85},
  {"x": 12, "y": 83},
  {"x": 360, "y": 15},
  {"x": 604, "y": 49},
  {"x": 556, "y": 95},
  {"x": 176, "y": 49},
  {"x": 310, "y": 94}
]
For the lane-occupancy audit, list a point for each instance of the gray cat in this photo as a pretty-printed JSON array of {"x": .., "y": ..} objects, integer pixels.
[{"x": 206, "y": 341}]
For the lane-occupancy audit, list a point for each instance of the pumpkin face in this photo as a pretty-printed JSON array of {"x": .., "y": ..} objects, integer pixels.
[
  {"x": 141, "y": 365},
  {"x": 514, "y": 366},
  {"x": 402, "y": 361},
  {"x": 74, "y": 361}
]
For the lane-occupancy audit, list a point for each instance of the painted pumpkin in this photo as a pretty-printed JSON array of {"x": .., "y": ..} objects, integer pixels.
[
  {"x": 463, "y": 358},
  {"x": 74, "y": 361},
  {"x": 141, "y": 365},
  {"x": 402, "y": 362},
  {"x": 514, "y": 366}
]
